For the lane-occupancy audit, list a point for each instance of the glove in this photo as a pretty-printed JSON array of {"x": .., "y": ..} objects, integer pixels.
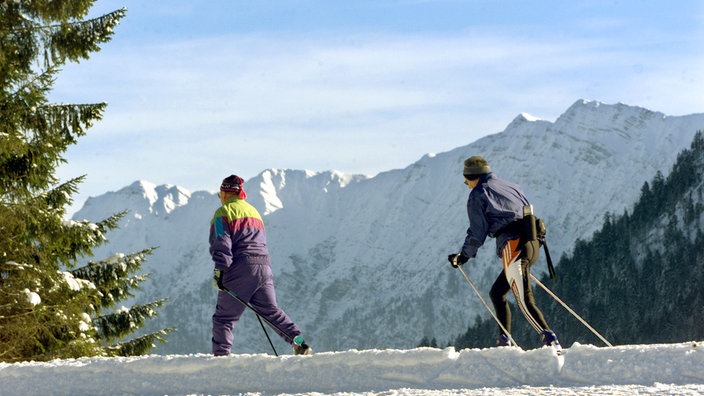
[
  {"x": 457, "y": 259},
  {"x": 217, "y": 279}
]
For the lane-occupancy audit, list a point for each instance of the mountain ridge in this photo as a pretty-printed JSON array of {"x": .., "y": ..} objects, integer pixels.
[{"x": 359, "y": 260}]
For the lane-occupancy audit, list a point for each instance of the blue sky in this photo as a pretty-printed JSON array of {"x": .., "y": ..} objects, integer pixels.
[{"x": 197, "y": 90}]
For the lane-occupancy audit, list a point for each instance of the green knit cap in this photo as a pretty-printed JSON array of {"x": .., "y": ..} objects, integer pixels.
[{"x": 475, "y": 166}]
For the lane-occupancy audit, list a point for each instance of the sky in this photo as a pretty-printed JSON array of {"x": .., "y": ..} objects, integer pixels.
[{"x": 199, "y": 90}]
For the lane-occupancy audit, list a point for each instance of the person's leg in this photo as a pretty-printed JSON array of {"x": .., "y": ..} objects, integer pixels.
[
  {"x": 264, "y": 301},
  {"x": 227, "y": 312},
  {"x": 498, "y": 293},
  {"x": 512, "y": 257},
  {"x": 533, "y": 313},
  {"x": 240, "y": 281},
  {"x": 529, "y": 300}
]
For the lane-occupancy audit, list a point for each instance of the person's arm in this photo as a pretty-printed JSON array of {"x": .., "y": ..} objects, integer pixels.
[
  {"x": 220, "y": 242},
  {"x": 478, "y": 226}
]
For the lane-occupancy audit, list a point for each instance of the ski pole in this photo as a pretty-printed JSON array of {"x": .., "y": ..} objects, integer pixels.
[
  {"x": 487, "y": 306},
  {"x": 258, "y": 318},
  {"x": 266, "y": 333},
  {"x": 570, "y": 310}
]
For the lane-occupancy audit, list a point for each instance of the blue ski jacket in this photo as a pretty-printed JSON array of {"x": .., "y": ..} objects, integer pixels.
[{"x": 492, "y": 204}]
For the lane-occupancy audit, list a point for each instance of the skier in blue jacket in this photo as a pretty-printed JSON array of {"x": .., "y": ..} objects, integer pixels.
[
  {"x": 495, "y": 208},
  {"x": 241, "y": 259}
]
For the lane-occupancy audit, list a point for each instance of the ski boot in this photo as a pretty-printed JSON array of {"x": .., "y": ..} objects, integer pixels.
[
  {"x": 550, "y": 339},
  {"x": 503, "y": 340},
  {"x": 302, "y": 349}
]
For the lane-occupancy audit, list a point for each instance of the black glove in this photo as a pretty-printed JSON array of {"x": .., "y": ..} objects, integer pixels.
[
  {"x": 217, "y": 279},
  {"x": 457, "y": 259}
]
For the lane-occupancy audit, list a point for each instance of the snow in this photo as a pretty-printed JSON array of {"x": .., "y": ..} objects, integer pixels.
[
  {"x": 32, "y": 297},
  {"x": 662, "y": 369},
  {"x": 73, "y": 283},
  {"x": 529, "y": 117}
]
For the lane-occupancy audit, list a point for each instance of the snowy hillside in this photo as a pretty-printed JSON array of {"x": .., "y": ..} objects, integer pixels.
[
  {"x": 665, "y": 369},
  {"x": 360, "y": 262}
]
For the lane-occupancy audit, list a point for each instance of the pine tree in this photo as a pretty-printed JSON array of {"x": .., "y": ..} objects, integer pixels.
[{"x": 47, "y": 311}]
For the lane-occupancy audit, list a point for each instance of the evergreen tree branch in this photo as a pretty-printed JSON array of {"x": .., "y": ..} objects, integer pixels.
[
  {"x": 125, "y": 321},
  {"x": 140, "y": 345}
]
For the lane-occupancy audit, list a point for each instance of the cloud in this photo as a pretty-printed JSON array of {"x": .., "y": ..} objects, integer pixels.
[{"x": 355, "y": 102}]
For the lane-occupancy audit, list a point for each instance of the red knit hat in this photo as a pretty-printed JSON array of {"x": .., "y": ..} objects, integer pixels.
[{"x": 234, "y": 183}]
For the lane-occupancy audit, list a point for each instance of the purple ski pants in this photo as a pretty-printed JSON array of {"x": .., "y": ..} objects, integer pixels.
[{"x": 251, "y": 280}]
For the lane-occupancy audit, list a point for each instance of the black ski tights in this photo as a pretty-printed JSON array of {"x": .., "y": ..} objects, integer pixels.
[{"x": 498, "y": 297}]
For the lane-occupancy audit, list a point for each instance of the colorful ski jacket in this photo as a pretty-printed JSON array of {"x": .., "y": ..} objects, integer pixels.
[
  {"x": 492, "y": 204},
  {"x": 236, "y": 231}
]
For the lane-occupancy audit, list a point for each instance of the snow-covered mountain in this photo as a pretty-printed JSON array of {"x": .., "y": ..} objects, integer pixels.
[{"x": 361, "y": 262}]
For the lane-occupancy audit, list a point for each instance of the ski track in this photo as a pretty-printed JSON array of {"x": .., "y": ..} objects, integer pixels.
[{"x": 662, "y": 369}]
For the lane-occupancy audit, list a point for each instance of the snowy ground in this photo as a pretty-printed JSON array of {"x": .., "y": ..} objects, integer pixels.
[{"x": 666, "y": 369}]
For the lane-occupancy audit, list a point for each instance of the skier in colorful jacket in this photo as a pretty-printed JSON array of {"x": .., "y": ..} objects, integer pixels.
[
  {"x": 241, "y": 259},
  {"x": 495, "y": 208}
]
